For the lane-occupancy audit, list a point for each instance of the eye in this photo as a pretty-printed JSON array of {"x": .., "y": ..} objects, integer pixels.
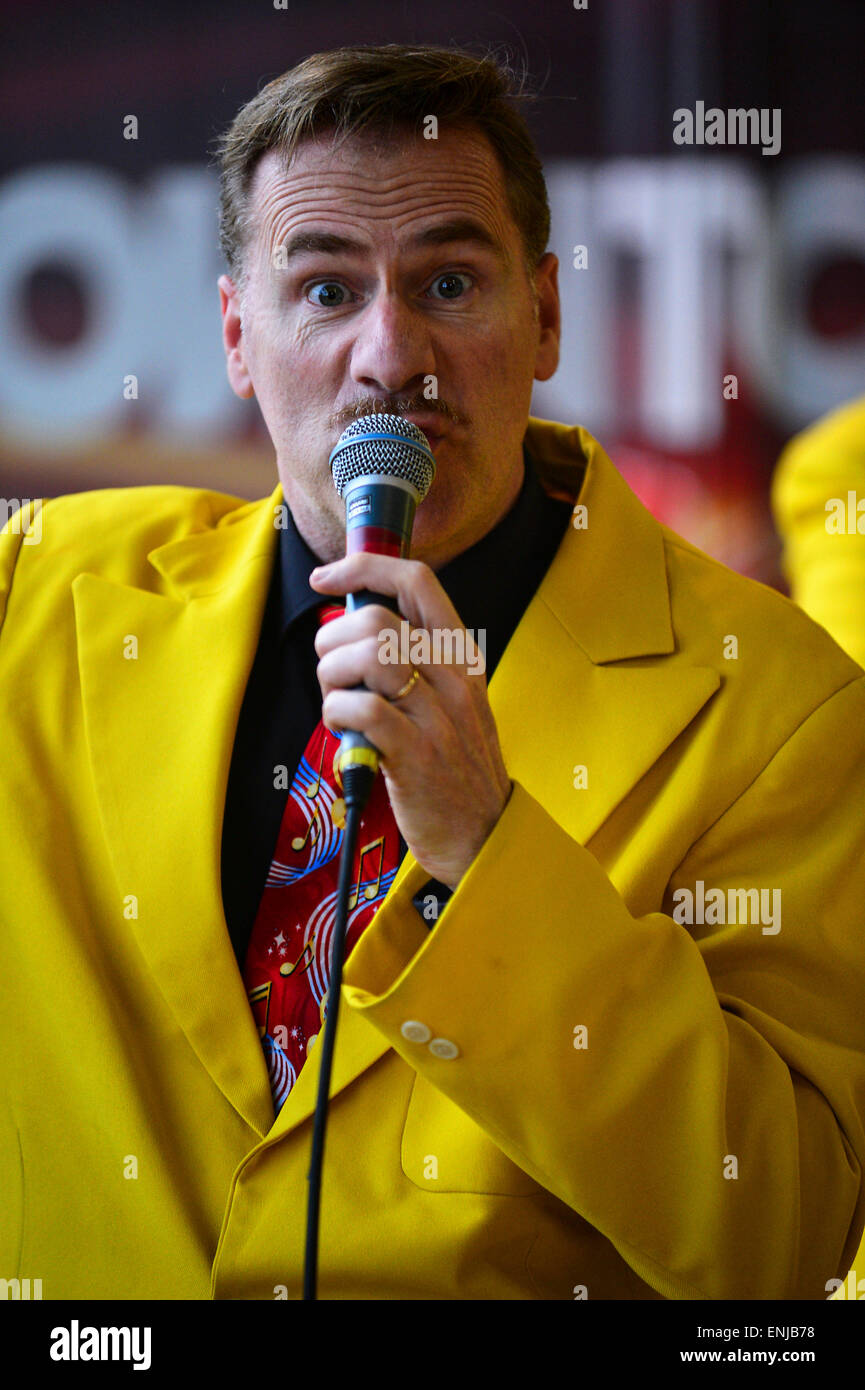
[
  {"x": 332, "y": 296},
  {"x": 450, "y": 283}
]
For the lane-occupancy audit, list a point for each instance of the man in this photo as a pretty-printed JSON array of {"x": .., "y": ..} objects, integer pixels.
[{"x": 603, "y": 1036}]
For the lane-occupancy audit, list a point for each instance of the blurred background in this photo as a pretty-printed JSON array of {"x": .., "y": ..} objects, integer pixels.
[{"x": 713, "y": 295}]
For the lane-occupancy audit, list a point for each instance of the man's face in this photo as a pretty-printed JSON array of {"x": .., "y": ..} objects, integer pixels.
[{"x": 400, "y": 263}]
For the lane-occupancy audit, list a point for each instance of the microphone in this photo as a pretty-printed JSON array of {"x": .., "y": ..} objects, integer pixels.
[{"x": 382, "y": 467}]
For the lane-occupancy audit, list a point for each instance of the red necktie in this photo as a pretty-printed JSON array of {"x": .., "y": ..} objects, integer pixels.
[{"x": 287, "y": 968}]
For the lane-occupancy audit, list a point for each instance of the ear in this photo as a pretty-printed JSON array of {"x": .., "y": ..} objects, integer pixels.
[
  {"x": 549, "y": 323},
  {"x": 232, "y": 339}
]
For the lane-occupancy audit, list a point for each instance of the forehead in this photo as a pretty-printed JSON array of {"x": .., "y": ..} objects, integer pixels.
[{"x": 383, "y": 189}]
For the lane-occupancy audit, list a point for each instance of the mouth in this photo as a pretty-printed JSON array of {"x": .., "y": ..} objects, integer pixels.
[{"x": 433, "y": 429}]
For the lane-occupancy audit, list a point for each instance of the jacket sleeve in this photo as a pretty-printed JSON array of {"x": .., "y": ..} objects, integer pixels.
[{"x": 709, "y": 1121}]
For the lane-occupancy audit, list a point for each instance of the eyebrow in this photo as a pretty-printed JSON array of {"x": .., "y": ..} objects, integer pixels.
[{"x": 464, "y": 229}]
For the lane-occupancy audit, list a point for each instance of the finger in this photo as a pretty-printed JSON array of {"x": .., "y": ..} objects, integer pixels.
[
  {"x": 359, "y": 663},
  {"x": 447, "y": 657},
  {"x": 368, "y": 621},
  {"x": 447, "y": 647},
  {"x": 420, "y": 597},
  {"x": 392, "y": 728}
]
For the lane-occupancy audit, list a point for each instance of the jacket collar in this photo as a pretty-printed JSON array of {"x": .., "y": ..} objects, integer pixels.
[{"x": 628, "y": 618}]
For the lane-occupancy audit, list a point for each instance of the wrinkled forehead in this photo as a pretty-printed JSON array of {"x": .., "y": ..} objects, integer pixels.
[{"x": 382, "y": 188}]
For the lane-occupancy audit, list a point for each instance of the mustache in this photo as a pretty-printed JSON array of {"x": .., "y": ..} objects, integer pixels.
[{"x": 399, "y": 405}]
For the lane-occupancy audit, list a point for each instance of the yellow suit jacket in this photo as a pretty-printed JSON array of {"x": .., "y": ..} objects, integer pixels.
[{"x": 637, "y": 1108}]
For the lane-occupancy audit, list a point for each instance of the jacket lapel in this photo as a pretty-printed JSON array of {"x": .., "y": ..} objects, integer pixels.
[
  {"x": 591, "y": 678},
  {"x": 577, "y": 685},
  {"x": 160, "y": 729}
]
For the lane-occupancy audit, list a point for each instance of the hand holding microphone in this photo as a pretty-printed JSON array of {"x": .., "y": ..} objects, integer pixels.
[{"x": 383, "y": 468}]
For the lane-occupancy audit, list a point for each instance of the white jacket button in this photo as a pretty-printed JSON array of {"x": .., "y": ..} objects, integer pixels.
[
  {"x": 444, "y": 1048},
  {"x": 415, "y": 1032}
]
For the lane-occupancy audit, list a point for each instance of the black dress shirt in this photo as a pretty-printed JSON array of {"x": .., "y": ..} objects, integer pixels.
[{"x": 490, "y": 586}]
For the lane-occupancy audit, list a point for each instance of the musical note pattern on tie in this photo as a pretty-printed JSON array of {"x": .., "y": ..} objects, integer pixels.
[
  {"x": 316, "y": 801},
  {"x": 287, "y": 968}
]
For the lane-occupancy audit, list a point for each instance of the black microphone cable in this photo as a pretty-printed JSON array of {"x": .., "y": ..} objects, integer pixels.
[
  {"x": 357, "y": 782},
  {"x": 357, "y": 766}
]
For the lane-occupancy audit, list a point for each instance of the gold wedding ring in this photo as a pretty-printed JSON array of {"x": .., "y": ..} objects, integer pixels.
[{"x": 409, "y": 685}]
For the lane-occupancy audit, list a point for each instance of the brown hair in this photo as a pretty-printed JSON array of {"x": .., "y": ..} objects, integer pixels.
[{"x": 380, "y": 89}]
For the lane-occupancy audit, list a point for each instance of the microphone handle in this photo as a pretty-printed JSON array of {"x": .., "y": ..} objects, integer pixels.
[
  {"x": 379, "y": 517},
  {"x": 354, "y": 748},
  {"x": 364, "y": 597}
]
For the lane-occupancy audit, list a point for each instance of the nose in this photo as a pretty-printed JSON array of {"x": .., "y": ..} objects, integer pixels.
[{"x": 393, "y": 350}]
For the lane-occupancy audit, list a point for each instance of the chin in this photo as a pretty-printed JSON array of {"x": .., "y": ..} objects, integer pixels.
[
  {"x": 436, "y": 549},
  {"x": 432, "y": 525}
]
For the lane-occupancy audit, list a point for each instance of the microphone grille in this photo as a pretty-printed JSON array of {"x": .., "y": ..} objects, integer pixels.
[{"x": 383, "y": 444}]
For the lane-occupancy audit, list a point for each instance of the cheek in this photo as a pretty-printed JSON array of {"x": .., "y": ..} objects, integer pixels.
[
  {"x": 500, "y": 353},
  {"x": 285, "y": 343},
  {"x": 295, "y": 373}
]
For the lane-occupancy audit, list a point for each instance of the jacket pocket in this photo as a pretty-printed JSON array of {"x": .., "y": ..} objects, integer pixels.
[{"x": 444, "y": 1150}]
